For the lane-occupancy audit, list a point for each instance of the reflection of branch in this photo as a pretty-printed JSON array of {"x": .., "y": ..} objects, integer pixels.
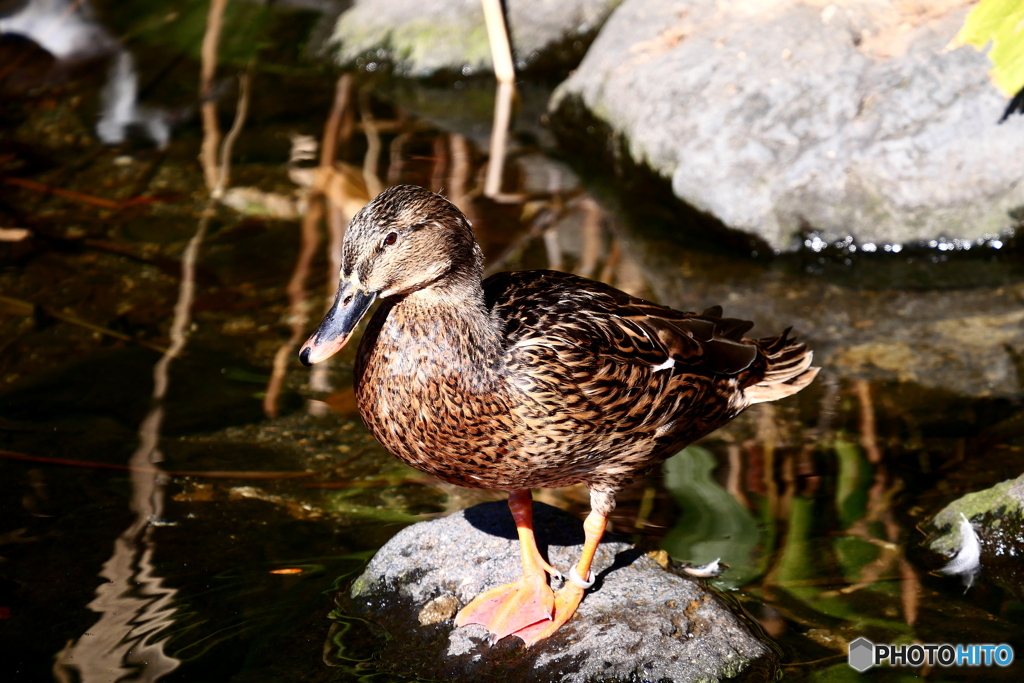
[
  {"x": 241, "y": 112},
  {"x": 590, "y": 231},
  {"x": 460, "y": 173},
  {"x": 643, "y": 514},
  {"x": 396, "y": 152},
  {"x": 342, "y": 94},
  {"x": 208, "y": 110},
  {"x": 553, "y": 248},
  {"x": 868, "y": 428},
  {"x": 767, "y": 435},
  {"x": 81, "y": 197},
  {"x": 133, "y": 604},
  {"x": 499, "y": 138},
  {"x": 501, "y": 56},
  {"x": 373, "y": 145},
  {"x": 319, "y": 375},
  {"x": 440, "y": 164},
  {"x": 610, "y": 263},
  {"x": 297, "y": 306},
  {"x": 734, "y": 482},
  {"x": 910, "y": 591},
  {"x": 336, "y": 222},
  {"x": 541, "y": 222}
]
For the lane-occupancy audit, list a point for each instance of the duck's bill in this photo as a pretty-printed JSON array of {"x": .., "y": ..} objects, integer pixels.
[{"x": 349, "y": 307}]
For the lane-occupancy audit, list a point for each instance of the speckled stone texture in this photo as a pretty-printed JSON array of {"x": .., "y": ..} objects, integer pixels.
[
  {"x": 783, "y": 117},
  {"x": 638, "y": 622}
]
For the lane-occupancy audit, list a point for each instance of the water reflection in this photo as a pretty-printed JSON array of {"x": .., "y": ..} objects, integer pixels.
[
  {"x": 69, "y": 31},
  {"x": 813, "y": 503},
  {"x": 134, "y": 604}
]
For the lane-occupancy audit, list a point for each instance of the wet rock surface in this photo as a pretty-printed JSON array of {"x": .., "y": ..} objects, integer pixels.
[
  {"x": 781, "y": 118},
  {"x": 639, "y": 622},
  {"x": 421, "y": 37}
]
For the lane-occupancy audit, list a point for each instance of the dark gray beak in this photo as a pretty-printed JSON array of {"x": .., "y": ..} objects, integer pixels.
[{"x": 350, "y": 305}]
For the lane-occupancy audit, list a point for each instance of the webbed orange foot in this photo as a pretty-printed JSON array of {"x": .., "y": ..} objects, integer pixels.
[
  {"x": 510, "y": 608},
  {"x": 566, "y": 601},
  {"x": 528, "y": 608}
]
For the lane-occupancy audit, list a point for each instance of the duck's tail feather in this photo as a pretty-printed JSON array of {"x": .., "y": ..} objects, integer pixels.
[{"x": 789, "y": 369}]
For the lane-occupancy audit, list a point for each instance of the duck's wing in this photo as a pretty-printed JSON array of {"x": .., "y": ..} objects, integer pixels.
[
  {"x": 574, "y": 339},
  {"x": 544, "y": 307}
]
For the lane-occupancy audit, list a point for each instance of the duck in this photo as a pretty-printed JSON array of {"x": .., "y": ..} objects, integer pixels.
[{"x": 530, "y": 379}]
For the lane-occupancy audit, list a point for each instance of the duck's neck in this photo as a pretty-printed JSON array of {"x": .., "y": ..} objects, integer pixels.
[{"x": 452, "y": 317}]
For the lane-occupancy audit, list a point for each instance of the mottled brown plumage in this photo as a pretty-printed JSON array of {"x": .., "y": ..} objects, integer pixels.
[{"x": 530, "y": 379}]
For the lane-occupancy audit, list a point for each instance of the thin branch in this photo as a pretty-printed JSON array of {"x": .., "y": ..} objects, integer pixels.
[{"x": 497, "y": 35}]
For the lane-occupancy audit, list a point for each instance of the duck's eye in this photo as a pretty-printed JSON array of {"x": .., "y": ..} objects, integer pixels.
[{"x": 390, "y": 239}]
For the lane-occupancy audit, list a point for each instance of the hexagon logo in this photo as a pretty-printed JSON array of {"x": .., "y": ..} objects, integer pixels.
[{"x": 862, "y": 654}]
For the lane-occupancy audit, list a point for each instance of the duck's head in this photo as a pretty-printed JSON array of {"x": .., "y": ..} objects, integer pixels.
[{"x": 407, "y": 239}]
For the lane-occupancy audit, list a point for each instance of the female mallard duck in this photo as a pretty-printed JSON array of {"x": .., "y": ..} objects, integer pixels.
[{"x": 531, "y": 379}]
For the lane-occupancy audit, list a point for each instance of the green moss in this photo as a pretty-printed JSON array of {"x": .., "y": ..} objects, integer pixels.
[
  {"x": 361, "y": 586},
  {"x": 996, "y": 503},
  {"x": 418, "y": 46}
]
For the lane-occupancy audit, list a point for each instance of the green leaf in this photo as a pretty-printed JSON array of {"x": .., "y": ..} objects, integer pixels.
[{"x": 1001, "y": 23}]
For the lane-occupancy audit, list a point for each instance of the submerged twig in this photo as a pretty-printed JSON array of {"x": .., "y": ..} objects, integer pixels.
[
  {"x": 210, "y": 474},
  {"x": 27, "y": 308},
  {"x": 81, "y": 197}
]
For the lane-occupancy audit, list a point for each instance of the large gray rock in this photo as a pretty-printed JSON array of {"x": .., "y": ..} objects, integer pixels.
[
  {"x": 784, "y": 117},
  {"x": 421, "y": 37},
  {"x": 639, "y": 622}
]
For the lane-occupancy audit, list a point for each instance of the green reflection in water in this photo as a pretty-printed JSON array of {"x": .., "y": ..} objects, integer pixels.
[{"x": 713, "y": 524}]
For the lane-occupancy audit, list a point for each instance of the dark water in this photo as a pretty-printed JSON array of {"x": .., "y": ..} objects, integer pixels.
[{"x": 180, "y": 499}]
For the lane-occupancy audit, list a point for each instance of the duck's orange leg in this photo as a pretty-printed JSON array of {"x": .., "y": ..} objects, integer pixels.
[
  {"x": 568, "y": 598},
  {"x": 510, "y": 608}
]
